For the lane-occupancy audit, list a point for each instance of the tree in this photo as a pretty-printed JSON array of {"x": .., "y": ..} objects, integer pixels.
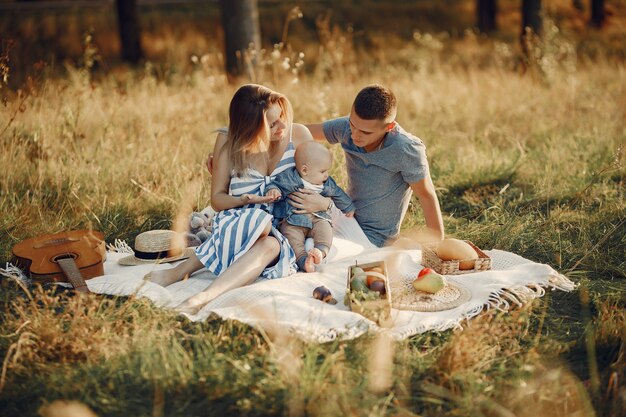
[
  {"x": 531, "y": 16},
  {"x": 597, "y": 13},
  {"x": 240, "y": 19},
  {"x": 128, "y": 24},
  {"x": 486, "y": 15},
  {"x": 531, "y": 28}
]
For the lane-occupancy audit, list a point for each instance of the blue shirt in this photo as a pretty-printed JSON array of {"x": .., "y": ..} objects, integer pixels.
[
  {"x": 289, "y": 181},
  {"x": 379, "y": 181}
]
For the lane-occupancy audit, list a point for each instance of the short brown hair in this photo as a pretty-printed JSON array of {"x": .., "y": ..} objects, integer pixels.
[{"x": 375, "y": 102}]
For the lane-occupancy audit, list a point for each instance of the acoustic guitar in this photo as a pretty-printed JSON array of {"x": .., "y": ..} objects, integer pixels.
[{"x": 63, "y": 257}]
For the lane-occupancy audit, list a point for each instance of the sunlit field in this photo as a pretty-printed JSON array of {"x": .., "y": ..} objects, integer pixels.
[{"x": 527, "y": 156}]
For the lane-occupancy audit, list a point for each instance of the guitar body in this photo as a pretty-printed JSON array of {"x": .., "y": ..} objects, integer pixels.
[{"x": 41, "y": 256}]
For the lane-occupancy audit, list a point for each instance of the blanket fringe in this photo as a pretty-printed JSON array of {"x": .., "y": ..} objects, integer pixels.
[
  {"x": 120, "y": 246},
  {"x": 561, "y": 282},
  {"x": 501, "y": 300},
  {"x": 13, "y": 272}
]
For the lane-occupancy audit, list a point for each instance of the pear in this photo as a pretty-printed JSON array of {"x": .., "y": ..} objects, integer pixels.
[
  {"x": 357, "y": 270},
  {"x": 357, "y": 280},
  {"x": 429, "y": 281},
  {"x": 357, "y": 283}
]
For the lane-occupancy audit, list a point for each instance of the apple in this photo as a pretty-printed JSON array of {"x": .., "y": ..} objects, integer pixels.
[
  {"x": 428, "y": 281},
  {"x": 424, "y": 271}
]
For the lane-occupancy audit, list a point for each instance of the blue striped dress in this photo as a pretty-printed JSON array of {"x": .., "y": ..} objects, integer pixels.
[{"x": 236, "y": 230}]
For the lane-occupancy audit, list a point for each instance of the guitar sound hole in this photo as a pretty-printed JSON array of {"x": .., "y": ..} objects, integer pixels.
[{"x": 65, "y": 256}]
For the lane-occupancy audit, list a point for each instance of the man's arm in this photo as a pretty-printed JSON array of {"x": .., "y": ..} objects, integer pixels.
[
  {"x": 219, "y": 142},
  {"x": 427, "y": 196},
  {"x": 317, "y": 131}
]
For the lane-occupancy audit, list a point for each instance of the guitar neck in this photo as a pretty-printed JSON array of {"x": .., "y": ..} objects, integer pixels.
[{"x": 73, "y": 274}]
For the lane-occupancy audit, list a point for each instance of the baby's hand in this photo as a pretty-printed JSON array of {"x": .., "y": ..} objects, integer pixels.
[
  {"x": 349, "y": 214},
  {"x": 274, "y": 194},
  {"x": 254, "y": 199}
]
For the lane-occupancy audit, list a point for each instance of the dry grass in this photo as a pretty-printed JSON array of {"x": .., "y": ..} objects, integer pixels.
[{"x": 531, "y": 163}]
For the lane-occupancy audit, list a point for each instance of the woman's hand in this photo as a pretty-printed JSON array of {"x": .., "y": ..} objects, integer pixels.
[
  {"x": 254, "y": 199},
  {"x": 308, "y": 201}
]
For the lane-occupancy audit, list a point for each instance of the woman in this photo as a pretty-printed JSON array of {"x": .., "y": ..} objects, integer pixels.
[{"x": 259, "y": 144}]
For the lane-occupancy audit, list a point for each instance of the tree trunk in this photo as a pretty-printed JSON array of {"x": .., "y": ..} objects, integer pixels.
[
  {"x": 531, "y": 16},
  {"x": 578, "y": 5},
  {"x": 597, "y": 13},
  {"x": 531, "y": 30},
  {"x": 486, "y": 15},
  {"x": 240, "y": 19},
  {"x": 128, "y": 23}
]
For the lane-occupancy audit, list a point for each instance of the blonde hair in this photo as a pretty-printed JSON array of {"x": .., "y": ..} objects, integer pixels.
[{"x": 248, "y": 129}]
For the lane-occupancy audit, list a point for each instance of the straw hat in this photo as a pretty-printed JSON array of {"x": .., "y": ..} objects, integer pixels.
[{"x": 156, "y": 246}]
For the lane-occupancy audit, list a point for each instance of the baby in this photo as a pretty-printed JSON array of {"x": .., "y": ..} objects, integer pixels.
[{"x": 313, "y": 161}]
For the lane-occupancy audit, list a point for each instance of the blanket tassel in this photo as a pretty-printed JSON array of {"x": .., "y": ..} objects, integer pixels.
[
  {"x": 120, "y": 246},
  {"x": 13, "y": 272}
]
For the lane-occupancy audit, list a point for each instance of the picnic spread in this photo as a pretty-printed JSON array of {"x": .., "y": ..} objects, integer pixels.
[{"x": 411, "y": 296}]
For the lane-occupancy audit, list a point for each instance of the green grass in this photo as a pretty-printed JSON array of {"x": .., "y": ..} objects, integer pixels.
[{"x": 530, "y": 163}]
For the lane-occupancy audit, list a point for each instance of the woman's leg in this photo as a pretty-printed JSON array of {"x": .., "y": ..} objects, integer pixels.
[
  {"x": 169, "y": 276},
  {"x": 241, "y": 272}
]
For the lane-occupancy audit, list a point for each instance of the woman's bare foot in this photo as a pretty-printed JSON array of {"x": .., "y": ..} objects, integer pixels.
[
  {"x": 185, "y": 307},
  {"x": 314, "y": 257},
  {"x": 163, "y": 277},
  {"x": 166, "y": 277},
  {"x": 193, "y": 304}
]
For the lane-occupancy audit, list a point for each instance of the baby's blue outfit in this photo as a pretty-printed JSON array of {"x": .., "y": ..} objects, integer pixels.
[
  {"x": 379, "y": 181},
  {"x": 289, "y": 181}
]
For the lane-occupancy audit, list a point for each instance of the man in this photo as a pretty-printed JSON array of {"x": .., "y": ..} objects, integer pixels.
[{"x": 385, "y": 165}]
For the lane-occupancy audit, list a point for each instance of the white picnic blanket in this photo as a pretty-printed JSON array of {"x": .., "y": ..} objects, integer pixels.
[{"x": 288, "y": 302}]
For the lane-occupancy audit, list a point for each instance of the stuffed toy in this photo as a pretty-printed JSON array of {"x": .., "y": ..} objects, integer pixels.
[{"x": 200, "y": 226}]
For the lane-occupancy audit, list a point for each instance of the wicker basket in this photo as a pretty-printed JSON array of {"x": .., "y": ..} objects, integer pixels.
[
  {"x": 431, "y": 260},
  {"x": 378, "y": 311}
]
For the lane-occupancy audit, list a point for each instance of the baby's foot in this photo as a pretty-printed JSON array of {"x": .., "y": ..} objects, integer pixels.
[
  {"x": 314, "y": 257},
  {"x": 163, "y": 277}
]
